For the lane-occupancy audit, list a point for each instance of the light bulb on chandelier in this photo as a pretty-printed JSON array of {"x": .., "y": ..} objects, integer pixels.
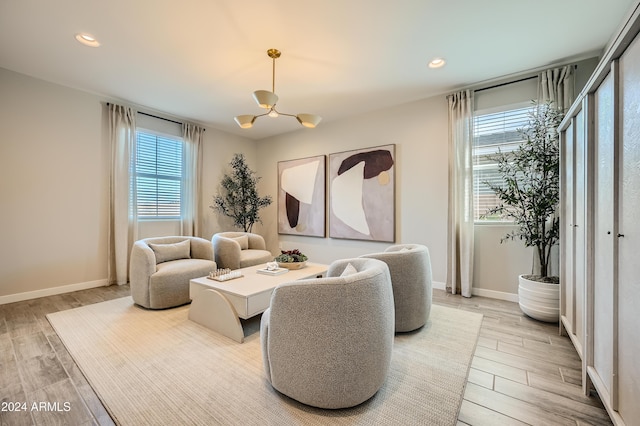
[{"x": 268, "y": 100}]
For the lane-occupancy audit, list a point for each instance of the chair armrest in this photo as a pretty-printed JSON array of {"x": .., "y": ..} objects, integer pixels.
[
  {"x": 256, "y": 242},
  {"x": 226, "y": 251},
  {"x": 412, "y": 265},
  {"x": 264, "y": 341},
  {"x": 391, "y": 258},
  {"x": 142, "y": 263},
  {"x": 395, "y": 248},
  {"x": 201, "y": 249}
]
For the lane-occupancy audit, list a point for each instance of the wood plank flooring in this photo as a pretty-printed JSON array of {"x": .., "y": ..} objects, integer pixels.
[
  {"x": 40, "y": 384},
  {"x": 523, "y": 372}
]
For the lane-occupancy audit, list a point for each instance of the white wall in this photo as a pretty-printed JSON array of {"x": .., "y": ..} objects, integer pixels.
[
  {"x": 54, "y": 186},
  {"x": 496, "y": 266}
]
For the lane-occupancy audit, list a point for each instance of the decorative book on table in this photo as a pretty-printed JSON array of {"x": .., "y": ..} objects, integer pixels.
[{"x": 278, "y": 271}]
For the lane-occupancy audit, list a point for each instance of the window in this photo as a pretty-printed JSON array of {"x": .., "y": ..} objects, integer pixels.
[
  {"x": 158, "y": 175},
  {"x": 493, "y": 131}
]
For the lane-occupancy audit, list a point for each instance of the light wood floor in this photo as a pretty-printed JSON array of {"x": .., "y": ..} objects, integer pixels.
[{"x": 523, "y": 372}]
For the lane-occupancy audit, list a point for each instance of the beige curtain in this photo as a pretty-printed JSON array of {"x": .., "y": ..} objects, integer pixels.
[
  {"x": 191, "y": 203},
  {"x": 460, "y": 223},
  {"x": 123, "y": 224},
  {"x": 557, "y": 85}
]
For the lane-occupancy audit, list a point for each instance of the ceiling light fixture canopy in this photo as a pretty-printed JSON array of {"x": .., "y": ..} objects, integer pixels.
[{"x": 268, "y": 100}]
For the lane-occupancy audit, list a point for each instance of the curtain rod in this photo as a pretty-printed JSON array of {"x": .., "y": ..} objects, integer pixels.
[
  {"x": 160, "y": 118},
  {"x": 575, "y": 66},
  {"x": 155, "y": 116},
  {"x": 505, "y": 84}
]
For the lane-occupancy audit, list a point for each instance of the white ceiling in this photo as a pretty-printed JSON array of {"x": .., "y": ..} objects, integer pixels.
[{"x": 202, "y": 59}]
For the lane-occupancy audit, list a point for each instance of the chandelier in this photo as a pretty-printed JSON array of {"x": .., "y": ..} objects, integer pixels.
[{"x": 268, "y": 99}]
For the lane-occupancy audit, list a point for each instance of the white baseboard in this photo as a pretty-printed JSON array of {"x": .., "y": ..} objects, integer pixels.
[
  {"x": 28, "y": 295},
  {"x": 438, "y": 285},
  {"x": 511, "y": 297},
  {"x": 482, "y": 292}
]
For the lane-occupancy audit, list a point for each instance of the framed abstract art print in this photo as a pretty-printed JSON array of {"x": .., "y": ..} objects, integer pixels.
[
  {"x": 301, "y": 196},
  {"x": 362, "y": 194}
]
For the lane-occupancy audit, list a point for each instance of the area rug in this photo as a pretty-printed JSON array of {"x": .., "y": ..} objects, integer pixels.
[{"x": 159, "y": 368}]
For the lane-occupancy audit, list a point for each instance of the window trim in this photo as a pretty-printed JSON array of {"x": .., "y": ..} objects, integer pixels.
[
  {"x": 486, "y": 111},
  {"x": 165, "y": 135}
]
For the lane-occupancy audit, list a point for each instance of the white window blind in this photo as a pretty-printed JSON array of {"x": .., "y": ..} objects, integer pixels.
[
  {"x": 492, "y": 132},
  {"x": 158, "y": 175}
]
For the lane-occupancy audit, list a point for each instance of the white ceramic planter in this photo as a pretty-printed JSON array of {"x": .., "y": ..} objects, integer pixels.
[{"x": 538, "y": 300}]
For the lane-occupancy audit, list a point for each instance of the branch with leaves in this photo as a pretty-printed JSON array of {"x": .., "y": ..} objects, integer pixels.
[
  {"x": 239, "y": 197},
  {"x": 530, "y": 192}
]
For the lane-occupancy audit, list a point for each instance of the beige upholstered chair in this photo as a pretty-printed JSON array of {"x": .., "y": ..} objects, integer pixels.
[
  {"x": 235, "y": 250},
  {"x": 410, "y": 268},
  {"x": 327, "y": 342},
  {"x": 160, "y": 269}
]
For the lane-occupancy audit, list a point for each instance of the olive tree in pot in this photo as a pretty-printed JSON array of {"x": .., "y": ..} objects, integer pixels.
[
  {"x": 239, "y": 197},
  {"x": 529, "y": 196}
]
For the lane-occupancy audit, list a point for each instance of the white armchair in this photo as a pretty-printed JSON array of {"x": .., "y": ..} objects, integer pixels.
[
  {"x": 410, "y": 269},
  {"x": 235, "y": 250},
  {"x": 160, "y": 269},
  {"x": 327, "y": 342}
]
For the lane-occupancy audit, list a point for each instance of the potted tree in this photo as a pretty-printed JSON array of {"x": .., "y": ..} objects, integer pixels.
[
  {"x": 239, "y": 197},
  {"x": 529, "y": 195}
]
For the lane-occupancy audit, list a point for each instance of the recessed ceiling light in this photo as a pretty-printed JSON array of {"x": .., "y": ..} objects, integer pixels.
[
  {"x": 437, "y": 63},
  {"x": 87, "y": 40}
]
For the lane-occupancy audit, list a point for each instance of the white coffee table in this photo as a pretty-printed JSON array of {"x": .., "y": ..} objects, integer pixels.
[{"x": 218, "y": 305}]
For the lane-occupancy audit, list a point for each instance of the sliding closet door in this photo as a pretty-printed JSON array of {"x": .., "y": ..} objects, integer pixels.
[
  {"x": 603, "y": 241},
  {"x": 629, "y": 238},
  {"x": 579, "y": 231},
  {"x": 573, "y": 229},
  {"x": 566, "y": 231}
]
